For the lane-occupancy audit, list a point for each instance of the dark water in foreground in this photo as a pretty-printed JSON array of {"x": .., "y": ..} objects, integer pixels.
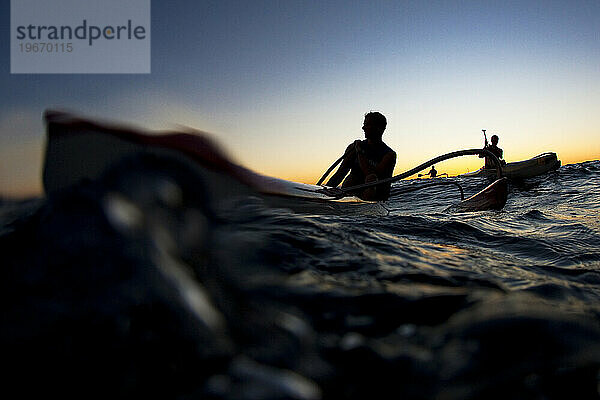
[{"x": 137, "y": 287}]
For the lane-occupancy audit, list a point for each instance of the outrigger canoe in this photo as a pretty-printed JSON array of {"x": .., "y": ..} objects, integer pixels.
[
  {"x": 79, "y": 149},
  {"x": 535, "y": 166}
]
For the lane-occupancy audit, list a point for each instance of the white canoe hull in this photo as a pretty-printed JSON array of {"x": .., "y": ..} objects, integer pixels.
[{"x": 79, "y": 149}]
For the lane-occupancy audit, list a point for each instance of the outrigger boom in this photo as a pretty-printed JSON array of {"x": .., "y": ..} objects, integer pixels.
[{"x": 338, "y": 193}]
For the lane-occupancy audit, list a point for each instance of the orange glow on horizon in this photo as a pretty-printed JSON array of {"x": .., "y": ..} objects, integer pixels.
[{"x": 451, "y": 167}]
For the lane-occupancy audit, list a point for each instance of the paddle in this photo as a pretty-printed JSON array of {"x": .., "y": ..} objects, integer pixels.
[{"x": 330, "y": 169}]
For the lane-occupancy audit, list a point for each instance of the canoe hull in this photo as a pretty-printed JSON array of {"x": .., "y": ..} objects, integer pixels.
[
  {"x": 79, "y": 149},
  {"x": 535, "y": 166}
]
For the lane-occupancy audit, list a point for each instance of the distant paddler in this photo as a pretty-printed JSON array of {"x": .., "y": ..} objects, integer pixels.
[
  {"x": 433, "y": 173},
  {"x": 367, "y": 161},
  {"x": 497, "y": 151}
]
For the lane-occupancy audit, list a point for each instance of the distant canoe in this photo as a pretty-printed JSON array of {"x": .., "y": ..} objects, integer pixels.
[{"x": 535, "y": 166}]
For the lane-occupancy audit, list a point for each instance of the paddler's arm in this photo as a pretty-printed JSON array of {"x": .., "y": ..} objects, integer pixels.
[
  {"x": 385, "y": 168},
  {"x": 484, "y": 148},
  {"x": 343, "y": 170}
]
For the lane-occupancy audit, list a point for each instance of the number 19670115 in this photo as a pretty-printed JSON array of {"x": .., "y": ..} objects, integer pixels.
[{"x": 44, "y": 47}]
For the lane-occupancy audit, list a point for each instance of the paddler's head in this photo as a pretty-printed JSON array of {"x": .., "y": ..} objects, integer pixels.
[
  {"x": 374, "y": 125},
  {"x": 494, "y": 140}
]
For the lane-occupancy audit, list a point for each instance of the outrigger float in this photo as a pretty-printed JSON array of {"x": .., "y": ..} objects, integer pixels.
[{"x": 535, "y": 166}]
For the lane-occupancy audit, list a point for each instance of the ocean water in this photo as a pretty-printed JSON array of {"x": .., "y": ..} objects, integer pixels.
[{"x": 140, "y": 285}]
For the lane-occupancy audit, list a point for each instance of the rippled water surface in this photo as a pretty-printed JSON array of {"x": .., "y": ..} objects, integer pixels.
[
  {"x": 549, "y": 231},
  {"x": 265, "y": 303}
]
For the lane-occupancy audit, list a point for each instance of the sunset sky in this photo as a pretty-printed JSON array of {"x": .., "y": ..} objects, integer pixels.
[{"x": 283, "y": 85}]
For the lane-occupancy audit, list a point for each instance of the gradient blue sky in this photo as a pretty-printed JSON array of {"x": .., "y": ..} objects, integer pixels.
[{"x": 283, "y": 85}]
